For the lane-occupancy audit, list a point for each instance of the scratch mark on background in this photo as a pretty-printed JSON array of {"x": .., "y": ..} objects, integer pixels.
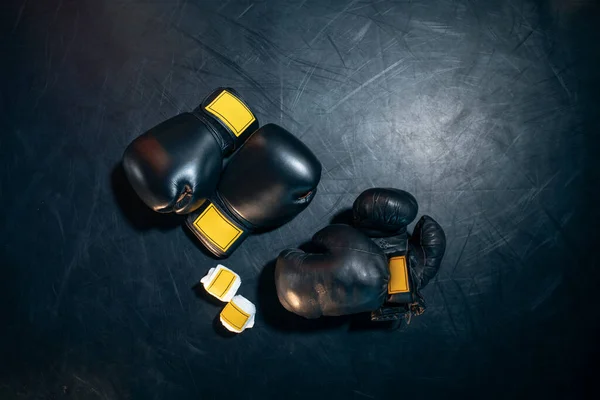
[
  {"x": 512, "y": 64},
  {"x": 447, "y": 308},
  {"x": 18, "y": 20},
  {"x": 138, "y": 86},
  {"x": 350, "y": 147},
  {"x": 358, "y": 89},
  {"x": 302, "y": 4},
  {"x": 72, "y": 40},
  {"x": 547, "y": 293},
  {"x": 505, "y": 241},
  {"x": 363, "y": 394},
  {"x": 58, "y": 7},
  {"x": 565, "y": 237},
  {"x": 236, "y": 68},
  {"x": 142, "y": 318},
  {"x": 368, "y": 4},
  {"x": 281, "y": 105},
  {"x": 168, "y": 80},
  {"x": 387, "y": 11},
  {"x": 224, "y": 60},
  {"x": 522, "y": 42},
  {"x": 175, "y": 287},
  {"x": 303, "y": 84},
  {"x": 463, "y": 247},
  {"x": 194, "y": 348},
  {"x": 469, "y": 314},
  {"x": 331, "y": 21},
  {"x": 560, "y": 79},
  {"x": 245, "y": 11},
  {"x": 360, "y": 35},
  {"x": 64, "y": 280},
  {"x": 92, "y": 388},
  {"x": 59, "y": 221},
  {"x": 336, "y": 50},
  {"x": 224, "y": 5},
  {"x": 83, "y": 244},
  {"x": 191, "y": 375}
]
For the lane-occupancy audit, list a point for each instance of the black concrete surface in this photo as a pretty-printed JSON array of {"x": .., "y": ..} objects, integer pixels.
[{"x": 487, "y": 111}]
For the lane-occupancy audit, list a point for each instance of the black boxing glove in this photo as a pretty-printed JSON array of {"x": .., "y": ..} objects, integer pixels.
[
  {"x": 174, "y": 166},
  {"x": 381, "y": 273},
  {"x": 265, "y": 184},
  {"x": 413, "y": 260},
  {"x": 349, "y": 275}
]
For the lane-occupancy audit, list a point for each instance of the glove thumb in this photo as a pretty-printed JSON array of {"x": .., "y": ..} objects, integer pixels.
[
  {"x": 381, "y": 212},
  {"x": 427, "y": 246}
]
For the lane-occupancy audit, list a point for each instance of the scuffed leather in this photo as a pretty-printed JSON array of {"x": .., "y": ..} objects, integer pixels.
[
  {"x": 384, "y": 211},
  {"x": 352, "y": 273},
  {"x": 270, "y": 180},
  {"x": 383, "y": 214},
  {"x": 350, "y": 276}
]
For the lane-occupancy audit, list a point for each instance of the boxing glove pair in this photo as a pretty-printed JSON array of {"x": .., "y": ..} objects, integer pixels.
[
  {"x": 372, "y": 265},
  {"x": 177, "y": 166}
]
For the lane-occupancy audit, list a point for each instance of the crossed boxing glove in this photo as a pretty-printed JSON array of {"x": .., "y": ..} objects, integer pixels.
[
  {"x": 266, "y": 183},
  {"x": 175, "y": 165},
  {"x": 373, "y": 266}
]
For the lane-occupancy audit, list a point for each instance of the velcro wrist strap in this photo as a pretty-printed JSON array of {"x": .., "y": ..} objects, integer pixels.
[
  {"x": 399, "y": 277},
  {"x": 400, "y": 286},
  {"x": 231, "y": 116},
  {"x": 216, "y": 229}
]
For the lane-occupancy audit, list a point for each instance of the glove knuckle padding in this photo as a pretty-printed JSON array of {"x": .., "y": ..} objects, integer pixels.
[
  {"x": 276, "y": 171},
  {"x": 175, "y": 157},
  {"x": 350, "y": 276},
  {"x": 175, "y": 165},
  {"x": 428, "y": 244},
  {"x": 382, "y": 211}
]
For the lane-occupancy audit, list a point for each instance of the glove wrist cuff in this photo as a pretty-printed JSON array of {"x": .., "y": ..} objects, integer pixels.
[
  {"x": 219, "y": 231},
  {"x": 221, "y": 136},
  {"x": 228, "y": 118}
]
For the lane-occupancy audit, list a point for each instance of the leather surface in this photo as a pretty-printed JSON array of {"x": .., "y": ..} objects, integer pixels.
[
  {"x": 427, "y": 246},
  {"x": 175, "y": 165},
  {"x": 271, "y": 179},
  {"x": 348, "y": 277},
  {"x": 384, "y": 211}
]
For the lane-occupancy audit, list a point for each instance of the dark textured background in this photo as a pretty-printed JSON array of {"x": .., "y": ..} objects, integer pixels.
[{"x": 487, "y": 111}]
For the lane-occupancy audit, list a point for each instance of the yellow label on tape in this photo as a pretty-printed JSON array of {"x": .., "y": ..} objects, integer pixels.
[
  {"x": 398, "y": 275},
  {"x": 232, "y": 112},
  {"x": 221, "y": 283},
  {"x": 216, "y": 228},
  {"x": 234, "y": 315}
]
